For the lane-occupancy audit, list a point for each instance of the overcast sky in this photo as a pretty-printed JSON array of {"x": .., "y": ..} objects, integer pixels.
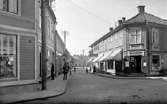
[{"x": 88, "y": 20}]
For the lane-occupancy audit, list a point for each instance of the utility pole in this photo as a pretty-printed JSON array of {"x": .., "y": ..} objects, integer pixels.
[
  {"x": 65, "y": 33},
  {"x": 83, "y": 52},
  {"x": 44, "y": 4},
  {"x": 55, "y": 66}
]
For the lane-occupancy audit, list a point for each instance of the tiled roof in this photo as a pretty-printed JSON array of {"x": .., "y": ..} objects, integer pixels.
[{"x": 146, "y": 17}]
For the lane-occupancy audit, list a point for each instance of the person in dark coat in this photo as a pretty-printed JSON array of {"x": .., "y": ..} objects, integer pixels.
[
  {"x": 52, "y": 72},
  {"x": 65, "y": 70}
]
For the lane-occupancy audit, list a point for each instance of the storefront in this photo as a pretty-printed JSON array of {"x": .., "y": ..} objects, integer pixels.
[
  {"x": 136, "y": 62},
  {"x": 113, "y": 60},
  {"x": 8, "y": 57},
  {"x": 155, "y": 64},
  {"x": 18, "y": 62}
]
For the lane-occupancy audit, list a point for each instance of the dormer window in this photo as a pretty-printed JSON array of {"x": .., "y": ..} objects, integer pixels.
[{"x": 9, "y": 6}]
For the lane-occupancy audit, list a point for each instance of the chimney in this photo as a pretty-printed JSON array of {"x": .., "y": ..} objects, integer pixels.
[
  {"x": 111, "y": 29},
  {"x": 123, "y": 19},
  {"x": 119, "y": 22},
  {"x": 141, "y": 8}
]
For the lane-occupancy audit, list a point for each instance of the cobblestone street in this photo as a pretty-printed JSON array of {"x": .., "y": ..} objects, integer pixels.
[{"x": 89, "y": 88}]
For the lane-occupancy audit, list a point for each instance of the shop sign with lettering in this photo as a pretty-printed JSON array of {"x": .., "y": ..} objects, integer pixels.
[{"x": 136, "y": 53}]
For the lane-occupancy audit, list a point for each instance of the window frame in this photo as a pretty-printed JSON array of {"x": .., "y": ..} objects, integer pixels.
[
  {"x": 135, "y": 34},
  {"x": 155, "y": 36},
  {"x": 7, "y": 10},
  {"x": 14, "y": 36},
  {"x": 159, "y": 56}
]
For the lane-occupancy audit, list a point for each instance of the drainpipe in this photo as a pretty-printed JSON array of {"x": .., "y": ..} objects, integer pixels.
[{"x": 148, "y": 47}]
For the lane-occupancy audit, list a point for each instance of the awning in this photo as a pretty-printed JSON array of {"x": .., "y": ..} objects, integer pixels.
[
  {"x": 115, "y": 54},
  {"x": 91, "y": 59},
  {"x": 105, "y": 55},
  {"x": 98, "y": 57}
]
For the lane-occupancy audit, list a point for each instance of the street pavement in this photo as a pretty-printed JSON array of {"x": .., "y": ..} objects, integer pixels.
[
  {"x": 54, "y": 88},
  {"x": 83, "y": 88}
]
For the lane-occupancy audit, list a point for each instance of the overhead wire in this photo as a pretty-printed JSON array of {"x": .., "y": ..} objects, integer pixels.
[{"x": 88, "y": 12}]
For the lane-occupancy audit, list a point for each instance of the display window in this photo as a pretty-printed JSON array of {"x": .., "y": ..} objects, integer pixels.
[
  {"x": 156, "y": 62},
  {"x": 8, "y": 56}
]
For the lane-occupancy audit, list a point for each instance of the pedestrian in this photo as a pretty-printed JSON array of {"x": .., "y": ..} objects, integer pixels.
[
  {"x": 94, "y": 69},
  {"x": 90, "y": 69},
  {"x": 74, "y": 69},
  {"x": 65, "y": 70},
  {"x": 70, "y": 69},
  {"x": 52, "y": 72},
  {"x": 86, "y": 70}
]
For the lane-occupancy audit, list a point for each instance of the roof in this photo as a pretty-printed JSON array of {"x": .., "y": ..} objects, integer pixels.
[
  {"x": 146, "y": 17},
  {"x": 139, "y": 18},
  {"x": 52, "y": 13}
]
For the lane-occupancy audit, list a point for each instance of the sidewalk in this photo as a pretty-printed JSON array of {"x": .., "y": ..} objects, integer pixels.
[
  {"x": 129, "y": 77},
  {"x": 54, "y": 88}
]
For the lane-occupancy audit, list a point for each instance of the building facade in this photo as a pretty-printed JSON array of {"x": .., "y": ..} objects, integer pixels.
[
  {"x": 142, "y": 41},
  {"x": 109, "y": 51},
  {"x": 50, "y": 30},
  {"x": 20, "y": 45},
  {"x": 60, "y": 49},
  {"x": 145, "y": 40},
  {"x": 18, "y": 42}
]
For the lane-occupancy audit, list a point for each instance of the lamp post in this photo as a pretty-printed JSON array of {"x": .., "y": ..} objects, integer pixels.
[{"x": 44, "y": 4}]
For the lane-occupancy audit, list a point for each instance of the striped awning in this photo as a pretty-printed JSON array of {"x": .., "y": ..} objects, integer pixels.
[
  {"x": 115, "y": 54},
  {"x": 97, "y": 59}
]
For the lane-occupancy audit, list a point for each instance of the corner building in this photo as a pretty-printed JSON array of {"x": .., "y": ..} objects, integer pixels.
[
  {"x": 18, "y": 42},
  {"x": 142, "y": 40},
  {"x": 144, "y": 48}
]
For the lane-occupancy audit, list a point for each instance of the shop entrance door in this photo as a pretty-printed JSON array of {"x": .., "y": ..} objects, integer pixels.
[{"x": 135, "y": 64}]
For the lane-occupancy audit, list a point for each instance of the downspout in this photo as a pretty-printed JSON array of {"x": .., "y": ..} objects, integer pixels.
[{"x": 148, "y": 47}]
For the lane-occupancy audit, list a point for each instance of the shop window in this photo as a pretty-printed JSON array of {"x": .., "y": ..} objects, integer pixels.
[
  {"x": 156, "y": 61},
  {"x": 9, "y": 6},
  {"x": 7, "y": 56}
]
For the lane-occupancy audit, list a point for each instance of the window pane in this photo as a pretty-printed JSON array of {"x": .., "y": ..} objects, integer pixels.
[
  {"x": 156, "y": 61},
  {"x": 5, "y": 44},
  {"x": 5, "y": 5},
  {"x": 7, "y": 59},
  {"x": 13, "y": 6},
  {"x": 0, "y": 45},
  {"x": 1, "y": 4}
]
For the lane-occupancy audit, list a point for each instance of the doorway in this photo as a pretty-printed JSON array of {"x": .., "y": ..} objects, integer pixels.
[{"x": 135, "y": 64}]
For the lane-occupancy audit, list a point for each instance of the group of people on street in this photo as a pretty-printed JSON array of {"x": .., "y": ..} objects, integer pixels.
[{"x": 66, "y": 69}]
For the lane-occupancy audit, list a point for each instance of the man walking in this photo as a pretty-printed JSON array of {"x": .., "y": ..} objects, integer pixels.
[
  {"x": 65, "y": 70},
  {"x": 52, "y": 72}
]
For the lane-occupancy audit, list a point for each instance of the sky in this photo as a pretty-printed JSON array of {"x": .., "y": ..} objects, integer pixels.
[{"x": 88, "y": 20}]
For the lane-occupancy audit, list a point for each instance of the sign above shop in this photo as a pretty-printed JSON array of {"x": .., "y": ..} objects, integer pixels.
[{"x": 135, "y": 53}]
